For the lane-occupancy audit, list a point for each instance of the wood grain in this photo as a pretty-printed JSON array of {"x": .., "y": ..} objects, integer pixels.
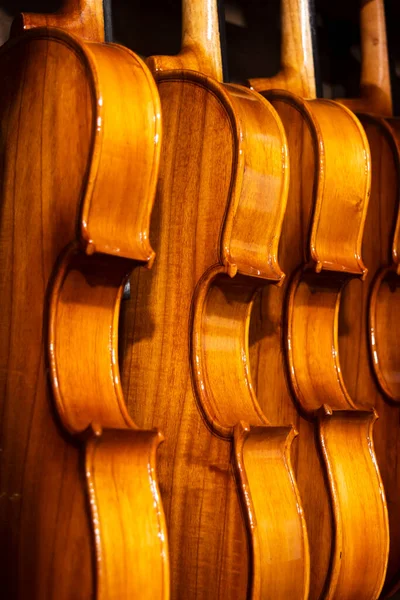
[
  {"x": 363, "y": 318},
  {"x": 297, "y": 358},
  {"x": 219, "y": 207},
  {"x": 367, "y": 324},
  {"x": 216, "y": 224},
  {"x": 76, "y": 513}
]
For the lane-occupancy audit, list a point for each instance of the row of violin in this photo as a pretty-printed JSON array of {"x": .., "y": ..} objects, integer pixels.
[{"x": 257, "y": 227}]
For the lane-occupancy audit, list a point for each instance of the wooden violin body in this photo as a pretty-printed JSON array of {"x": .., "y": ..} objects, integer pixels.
[
  {"x": 368, "y": 327},
  {"x": 367, "y": 324},
  {"x": 80, "y": 516},
  {"x": 335, "y": 464},
  {"x": 235, "y": 523}
]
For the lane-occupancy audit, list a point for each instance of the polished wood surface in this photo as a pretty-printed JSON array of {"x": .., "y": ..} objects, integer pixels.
[
  {"x": 375, "y": 93},
  {"x": 297, "y": 357},
  {"x": 372, "y": 301},
  {"x": 235, "y": 523},
  {"x": 81, "y": 516},
  {"x": 81, "y": 17},
  {"x": 368, "y": 327},
  {"x": 200, "y": 48},
  {"x": 297, "y": 59}
]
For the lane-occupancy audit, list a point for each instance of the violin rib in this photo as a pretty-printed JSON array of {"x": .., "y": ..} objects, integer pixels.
[
  {"x": 262, "y": 459},
  {"x": 344, "y": 435}
]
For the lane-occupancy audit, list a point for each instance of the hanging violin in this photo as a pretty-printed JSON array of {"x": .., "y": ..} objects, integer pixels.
[
  {"x": 81, "y": 515},
  {"x": 368, "y": 327},
  {"x": 235, "y": 523},
  {"x": 320, "y": 251}
]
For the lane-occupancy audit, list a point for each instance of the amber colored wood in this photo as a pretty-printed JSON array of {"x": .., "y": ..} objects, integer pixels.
[
  {"x": 320, "y": 248},
  {"x": 368, "y": 327},
  {"x": 320, "y": 252},
  {"x": 81, "y": 17},
  {"x": 235, "y": 523},
  {"x": 260, "y": 452},
  {"x": 126, "y": 522},
  {"x": 80, "y": 517},
  {"x": 364, "y": 316},
  {"x": 384, "y": 331},
  {"x": 200, "y": 48},
  {"x": 297, "y": 59},
  {"x": 185, "y": 343},
  {"x": 375, "y": 89},
  {"x": 345, "y": 435}
]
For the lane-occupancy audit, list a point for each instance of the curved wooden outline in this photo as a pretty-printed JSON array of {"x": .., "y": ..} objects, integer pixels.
[
  {"x": 207, "y": 396},
  {"x": 106, "y": 358},
  {"x": 329, "y": 361},
  {"x": 305, "y": 108},
  {"x": 111, "y": 581},
  {"x": 338, "y": 475},
  {"x": 262, "y": 547},
  {"x": 144, "y": 511},
  {"x": 327, "y": 285},
  {"x": 372, "y": 337},
  {"x": 205, "y": 390}
]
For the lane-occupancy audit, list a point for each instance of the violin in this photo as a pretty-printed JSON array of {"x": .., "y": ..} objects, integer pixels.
[
  {"x": 235, "y": 522},
  {"x": 81, "y": 515},
  {"x": 296, "y": 332},
  {"x": 367, "y": 319}
]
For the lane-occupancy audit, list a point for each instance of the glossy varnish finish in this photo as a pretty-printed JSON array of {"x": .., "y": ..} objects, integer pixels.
[
  {"x": 81, "y": 17},
  {"x": 368, "y": 327},
  {"x": 234, "y": 517},
  {"x": 185, "y": 353},
  {"x": 335, "y": 464},
  {"x": 360, "y": 302},
  {"x": 80, "y": 154},
  {"x": 297, "y": 60}
]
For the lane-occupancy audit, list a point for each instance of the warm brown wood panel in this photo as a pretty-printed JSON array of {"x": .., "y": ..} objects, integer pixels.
[{"x": 79, "y": 165}]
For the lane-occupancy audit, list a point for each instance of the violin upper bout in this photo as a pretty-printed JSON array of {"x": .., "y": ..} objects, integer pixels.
[
  {"x": 340, "y": 202},
  {"x": 113, "y": 188},
  {"x": 253, "y": 224}
]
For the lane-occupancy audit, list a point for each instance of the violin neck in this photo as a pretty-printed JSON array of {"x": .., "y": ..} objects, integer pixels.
[
  {"x": 85, "y": 18},
  {"x": 375, "y": 76},
  {"x": 201, "y": 46},
  {"x": 297, "y": 72}
]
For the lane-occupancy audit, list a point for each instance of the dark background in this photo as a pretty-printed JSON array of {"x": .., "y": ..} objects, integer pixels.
[{"x": 252, "y": 37}]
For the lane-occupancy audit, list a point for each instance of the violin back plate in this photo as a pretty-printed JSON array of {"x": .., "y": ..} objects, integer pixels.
[{"x": 57, "y": 115}]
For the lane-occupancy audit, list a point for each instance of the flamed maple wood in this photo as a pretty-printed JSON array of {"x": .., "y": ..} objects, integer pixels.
[
  {"x": 235, "y": 522},
  {"x": 368, "y": 327},
  {"x": 80, "y": 146},
  {"x": 320, "y": 252}
]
